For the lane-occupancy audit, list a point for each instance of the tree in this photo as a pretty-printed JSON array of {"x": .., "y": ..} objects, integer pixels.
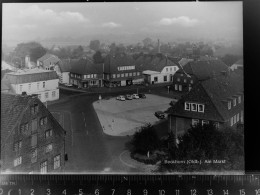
[
  {"x": 77, "y": 52},
  {"x": 145, "y": 140},
  {"x": 147, "y": 42},
  {"x": 36, "y": 53},
  {"x": 97, "y": 57},
  {"x": 94, "y": 45}
]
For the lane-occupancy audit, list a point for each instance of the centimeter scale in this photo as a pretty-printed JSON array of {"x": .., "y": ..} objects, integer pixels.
[{"x": 129, "y": 184}]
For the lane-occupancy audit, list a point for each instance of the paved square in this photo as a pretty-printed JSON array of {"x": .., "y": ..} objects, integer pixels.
[{"x": 120, "y": 118}]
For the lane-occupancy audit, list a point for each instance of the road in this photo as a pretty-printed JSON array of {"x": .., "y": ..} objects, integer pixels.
[{"x": 89, "y": 149}]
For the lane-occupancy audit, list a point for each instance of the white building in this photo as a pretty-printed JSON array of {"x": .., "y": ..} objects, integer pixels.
[{"x": 44, "y": 83}]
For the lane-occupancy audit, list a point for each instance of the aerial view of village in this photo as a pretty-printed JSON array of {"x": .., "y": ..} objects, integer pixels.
[{"x": 134, "y": 87}]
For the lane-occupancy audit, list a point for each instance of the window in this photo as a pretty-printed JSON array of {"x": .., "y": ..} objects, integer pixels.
[
  {"x": 134, "y": 73},
  {"x": 88, "y": 76},
  {"x": 39, "y": 96},
  {"x": 24, "y": 128},
  {"x": 43, "y": 121},
  {"x": 126, "y": 74},
  {"x": 235, "y": 119},
  {"x": 193, "y": 107},
  {"x": 166, "y": 69},
  {"x": 180, "y": 87},
  {"x": 191, "y": 81},
  {"x": 170, "y": 69},
  {"x": 46, "y": 95},
  {"x": 195, "y": 122},
  {"x": 34, "y": 156},
  {"x": 185, "y": 80},
  {"x": 38, "y": 85},
  {"x": 238, "y": 117},
  {"x": 48, "y": 148},
  {"x": 34, "y": 140},
  {"x": 234, "y": 102},
  {"x": 242, "y": 117},
  {"x": 200, "y": 108},
  {"x": 56, "y": 162},
  {"x": 165, "y": 78},
  {"x": 34, "y": 109},
  {"x": 43, "y": 84},
  {"x": 43, "y": 167},
  {"x": 205, "y": 122},
  {"x": 239, "y": 99},
  {"x": 176, "y": 87},
  {"x": 130, "y": 74},
  {"x": 95, "y": 75},
  {"x": 29, "y": 86},
  {"x": 34, "y": 125},
  {"x": 114, "y": 76},
  {"x": 21, "y": 87},
  {"x": 155, "y": 79},
  {"x": 48, "y": 133},
  {"x": 122, "y": 75},
  {"x": 118, "y": 75},
  {"x": 187, "y": 106},
  {"x": 53, "y": 93},
  {"x": 178, "y": 79},
  {"x": 216, "y": 124},
  {"x": 232, "y": 122},
  {"x": 18, "y": 161},
  {"x": 181, "y": 75},
  {"x": 229, "y": 105},
  {"x": 17, "y": 146},
  {"x": 138, "y": 73}
]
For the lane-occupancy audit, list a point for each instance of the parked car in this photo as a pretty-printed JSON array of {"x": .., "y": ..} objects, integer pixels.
[
  {"x": 129, "y": 97},
  {"x": 159, "y": 114},
  {"x": 68, "y": 85},
  {"x": 142, "y": 95},
  {"x": 135, "y": 96},
  {"x": 120, "y": 97}
]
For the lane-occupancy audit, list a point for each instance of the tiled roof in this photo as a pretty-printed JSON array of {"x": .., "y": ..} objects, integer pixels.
[
  {"x": 65, "y": 65},
  {"x": 13, "y": 108},
  {"x": 86, "y": 66},
  {"x": 204, "y": 69},
  {"x": 213, "y": 93},
  {"x": 30, "y": 76},
  {"x": 112, "y": 62},
  {"x": 154, "y": 62},
  {"x": 47, "y": 56}
]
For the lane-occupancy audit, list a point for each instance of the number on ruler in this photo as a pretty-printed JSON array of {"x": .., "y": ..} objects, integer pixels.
[
  {"x": 64, "y": 192},
  {"x": 225, "y": 192},
  {"x": 242, "y": 192},
  {"x": 257, "y": 192},
  {"x": 210, "y": 192},
  {"x": 80, "y": 192},
  {"x": 177, "y": 192},
  {"x": 48, "y": 192},
  {"x": 113, "y": 191},
  {"x": 161, "y": 192},
  {"x": 129, "y": 192},
  {"x": 32, "y": 191},
  {"x": 145, "y": 192},
  {"x": 97, "y": 192},
  {"x": 193, "y": 192}
]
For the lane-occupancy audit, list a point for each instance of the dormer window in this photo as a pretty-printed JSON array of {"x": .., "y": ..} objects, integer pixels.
[
  {"x": 187, "y": 106},
  {"x": 193, "y": 107},
  {"x": 185, "y": 80},
  {"x": 229, "y": 105},
  {"x": 200, "y": 108},
  {"x": 239, "y": 99},
  {"x": 234, "y": 102}
]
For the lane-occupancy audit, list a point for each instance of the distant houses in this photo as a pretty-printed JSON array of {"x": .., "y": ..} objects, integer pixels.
[
  {"x": 218, "y": 100},
  {"x": 43, "y": 83},
  {"x": 32, "y": 141},
  {"x": 47, "y": 62},
  {"x": 238, "y": 65}
]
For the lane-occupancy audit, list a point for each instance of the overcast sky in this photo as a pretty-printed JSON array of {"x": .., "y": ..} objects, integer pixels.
[{"x": 27, "y": 21}]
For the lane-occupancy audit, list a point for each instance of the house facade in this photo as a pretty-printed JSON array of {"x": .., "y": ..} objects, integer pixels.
[
  {"x": 32, "y": 141},
  {"x": 218, "y": 100},
  {"x": 84, "y": 73},
  {"x": 62, "y": 69},
  {"x": 47, "y": 62},
  {"x": 192, "y": 72},
  {"x": 44, "y": 83},
  {"x": 121, "y": 70},
  {"x": 157, "y": 68}
]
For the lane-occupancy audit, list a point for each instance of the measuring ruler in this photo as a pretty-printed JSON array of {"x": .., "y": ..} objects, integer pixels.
[{"x": 129, "y": 185}]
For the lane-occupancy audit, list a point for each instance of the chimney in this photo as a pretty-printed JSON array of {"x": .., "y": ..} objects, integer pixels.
[
  {"x": 159, "y": 46},
  {"x": 24, "y": 94}
]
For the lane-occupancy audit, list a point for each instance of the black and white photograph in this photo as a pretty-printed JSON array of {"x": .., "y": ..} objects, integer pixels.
[{"x": 122, "y": 88}]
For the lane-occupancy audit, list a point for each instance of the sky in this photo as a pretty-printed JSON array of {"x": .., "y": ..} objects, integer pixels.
[{"x": 128, "y": 22}]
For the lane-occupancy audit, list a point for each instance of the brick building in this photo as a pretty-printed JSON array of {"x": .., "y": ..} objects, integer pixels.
[{"x": 31, "y": 139}]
